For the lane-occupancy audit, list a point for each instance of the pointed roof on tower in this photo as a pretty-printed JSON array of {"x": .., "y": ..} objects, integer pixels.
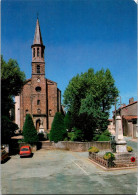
[{"x": 37, "y": 36}]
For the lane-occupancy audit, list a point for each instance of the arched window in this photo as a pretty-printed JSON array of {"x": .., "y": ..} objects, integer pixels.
[
  {"x": 38, "y": 52},
  {"x": 38, "y": 69},
  {"x": 33, "y": 52},
  {"x": 42, "y": 52},
  {"x": 38, "y": 102}
]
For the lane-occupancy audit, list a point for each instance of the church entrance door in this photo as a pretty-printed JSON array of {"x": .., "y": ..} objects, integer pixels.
[{"x": 37, "y": 124}]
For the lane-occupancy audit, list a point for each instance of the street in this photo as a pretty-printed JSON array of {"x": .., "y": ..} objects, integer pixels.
[{"x": 63, "y": 172}]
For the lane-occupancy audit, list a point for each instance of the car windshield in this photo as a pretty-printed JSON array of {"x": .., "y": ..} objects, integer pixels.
[{"x": 24, "y": 149}]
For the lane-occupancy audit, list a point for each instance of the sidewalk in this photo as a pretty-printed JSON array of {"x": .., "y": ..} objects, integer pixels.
[{"x": 131, "y": 139}]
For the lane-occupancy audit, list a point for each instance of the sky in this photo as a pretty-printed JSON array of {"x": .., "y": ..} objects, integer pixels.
[{"x": 78, "y": 35}]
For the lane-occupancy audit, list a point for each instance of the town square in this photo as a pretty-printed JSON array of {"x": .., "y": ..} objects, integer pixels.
[{"x": 69, "y": 108}]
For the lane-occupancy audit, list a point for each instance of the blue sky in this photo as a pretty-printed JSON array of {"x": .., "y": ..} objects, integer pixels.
[{"x": 78, "y": 35}]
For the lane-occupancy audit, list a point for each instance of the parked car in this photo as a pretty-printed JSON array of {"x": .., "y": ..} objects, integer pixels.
[
  {"x": 25, "y": 151},
  {"x": 4, "y": 155}
]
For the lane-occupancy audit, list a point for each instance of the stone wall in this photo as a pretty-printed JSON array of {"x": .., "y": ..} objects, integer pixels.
[
  {"x": 76, "y": 146},
  {"x": 63, "y": 145}
]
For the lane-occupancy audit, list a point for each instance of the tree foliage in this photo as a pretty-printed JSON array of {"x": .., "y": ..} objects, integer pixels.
[
  {"x": 58, "y": 131},
  {"x": 89, "y": 97},
  {"x": 68, "y": 121},
  {"x": 12, "y": 80},
  {"x": 7, "y": 129},
  {"x": 29, "y": 131}
]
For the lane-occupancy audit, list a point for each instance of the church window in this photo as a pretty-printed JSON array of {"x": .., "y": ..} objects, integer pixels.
[
  {"x": 26, "y": 111},
  {"x": 38, "y": 111},
  {"x": 38, "y": 102},
  {"x": 42, "y": 52},
  {"x": 38, "y": 52},
  {"x": 33, "y": 52},
  {"x": 38, "y": 89},
  {"x": 38, "y": 69}
]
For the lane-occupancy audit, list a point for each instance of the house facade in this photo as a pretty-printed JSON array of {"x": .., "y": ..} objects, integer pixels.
[
  {"x": 129, "y": 118},
  {"x": 40, "y": 96}
]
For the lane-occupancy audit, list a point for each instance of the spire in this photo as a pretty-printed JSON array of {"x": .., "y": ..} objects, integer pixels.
[{"x": 37, "y": 37}]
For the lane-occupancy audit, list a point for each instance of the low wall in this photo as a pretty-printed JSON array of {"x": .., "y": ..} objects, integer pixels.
[
  {"x": 76, "y": 146},
  {"x": 65, "y": 145}
]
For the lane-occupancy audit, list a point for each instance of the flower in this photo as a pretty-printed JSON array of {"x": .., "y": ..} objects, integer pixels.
[
  {"x": 133, "y": 159},
  {"x": 129, "y": 149}
]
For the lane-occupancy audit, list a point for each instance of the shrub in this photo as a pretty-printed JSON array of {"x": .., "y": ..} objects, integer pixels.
[
  {"x": 29, "y": 131},
  {"x": 58, "y": 131},
  {"x": 103, "y": 138},
  {"x": 93, "y": 149},
  {"x": 78, "y": 135},
  {"x": 109, "y": 155},
  {"x": 66, "y": 139},
  {"x": 96, "y": 137},
  {"x": 107, "y": 133},
  {"x": 129, "y": 149}
]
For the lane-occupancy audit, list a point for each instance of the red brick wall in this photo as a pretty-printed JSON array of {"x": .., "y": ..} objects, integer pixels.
[{"x": 52, "y": 100}]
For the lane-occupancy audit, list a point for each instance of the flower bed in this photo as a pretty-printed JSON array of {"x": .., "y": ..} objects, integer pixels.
[
  {"x": 95, "y": 157},
  {"x": 116, "y": 163}
]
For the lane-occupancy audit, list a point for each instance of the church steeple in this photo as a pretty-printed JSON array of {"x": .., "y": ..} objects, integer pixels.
[
  {"x": 38, "y": 37},
  {"x": 38, "y": 62}
]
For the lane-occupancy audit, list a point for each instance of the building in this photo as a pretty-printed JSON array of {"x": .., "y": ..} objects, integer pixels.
[
  {"x": 129, "y": 118},
  {"x": 40, "y": 96}
]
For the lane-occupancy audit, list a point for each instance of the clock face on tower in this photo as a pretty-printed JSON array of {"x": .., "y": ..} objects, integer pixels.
[{"x": 38, "y": 80}]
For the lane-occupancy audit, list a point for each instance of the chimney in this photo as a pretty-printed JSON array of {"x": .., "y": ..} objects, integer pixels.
[{"x": 131, "y": 100}]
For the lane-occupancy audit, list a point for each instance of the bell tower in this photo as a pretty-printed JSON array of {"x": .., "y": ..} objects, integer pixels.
[
  {"x": 38, "y": 62},
  {"x": 38, "y": 81}
]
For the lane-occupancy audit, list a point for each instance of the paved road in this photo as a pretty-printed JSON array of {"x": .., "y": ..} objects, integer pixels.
[{"x": 63, "y": 172}]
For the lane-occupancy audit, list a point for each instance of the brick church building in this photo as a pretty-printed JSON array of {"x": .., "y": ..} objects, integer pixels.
[{"x": 40, "y": 96}]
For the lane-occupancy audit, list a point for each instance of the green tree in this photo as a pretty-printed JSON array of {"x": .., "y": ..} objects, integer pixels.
[
  {"x": 68, "y": 121},
  {"x": 58, "y": 131},
  {"x": 29, "y": 131},
  {"x": 7, "y": 129},
  {"x": 89, "y": 97},
  {"x": 12, "y": 80}
]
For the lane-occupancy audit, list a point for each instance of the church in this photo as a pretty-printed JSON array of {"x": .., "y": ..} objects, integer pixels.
[{"x": 40, "y": 96}]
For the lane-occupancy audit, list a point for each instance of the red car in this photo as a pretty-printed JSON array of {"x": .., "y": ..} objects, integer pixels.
[{"x": 25, "y": 151}]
